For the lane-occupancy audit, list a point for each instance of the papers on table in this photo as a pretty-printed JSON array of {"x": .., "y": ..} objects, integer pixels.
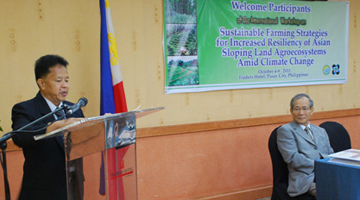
[{"x": 349, "y": 156}]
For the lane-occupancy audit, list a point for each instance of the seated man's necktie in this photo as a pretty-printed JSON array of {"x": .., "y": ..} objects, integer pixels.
[{"x": 307, "y": 130}]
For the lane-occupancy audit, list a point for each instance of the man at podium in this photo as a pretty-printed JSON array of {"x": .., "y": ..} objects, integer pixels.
[{"x": 44, "y": 167}]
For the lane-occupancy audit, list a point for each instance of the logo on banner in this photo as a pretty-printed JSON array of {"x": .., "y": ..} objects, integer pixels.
[
  {"x": 336, "y": 69},
  {"x": 326, "y": 70}
]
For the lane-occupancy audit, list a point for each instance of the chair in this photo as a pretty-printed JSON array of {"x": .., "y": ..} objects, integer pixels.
[
  {"x": 281, "y": 173},
  {"x": 338, "y": 136}
]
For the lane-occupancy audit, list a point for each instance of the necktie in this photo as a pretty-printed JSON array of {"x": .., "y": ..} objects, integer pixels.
[
  {"x": 307, "y": 130},
  {"x": 60, "y": 114}
]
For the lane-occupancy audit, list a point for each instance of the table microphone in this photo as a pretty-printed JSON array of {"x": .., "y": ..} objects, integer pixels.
[{"x": 81, "y": 103}]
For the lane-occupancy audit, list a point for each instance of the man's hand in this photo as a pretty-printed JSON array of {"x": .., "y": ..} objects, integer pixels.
[{"x": 62, "y": 123}]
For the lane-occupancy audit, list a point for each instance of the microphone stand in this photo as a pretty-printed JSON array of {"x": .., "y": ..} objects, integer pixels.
[{"x": 7, "y": 136}]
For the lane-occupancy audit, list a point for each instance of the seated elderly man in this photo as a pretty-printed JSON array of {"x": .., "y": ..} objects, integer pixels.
[{"x": 300, "y": 143}]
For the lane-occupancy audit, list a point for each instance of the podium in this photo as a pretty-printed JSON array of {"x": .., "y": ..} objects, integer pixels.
[{"x": 115, "y": 135}]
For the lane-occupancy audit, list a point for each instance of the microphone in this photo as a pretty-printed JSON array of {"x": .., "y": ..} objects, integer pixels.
[{"x": 81, "y": 103}]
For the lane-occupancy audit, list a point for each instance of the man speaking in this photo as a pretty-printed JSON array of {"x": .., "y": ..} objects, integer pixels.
[{"x": 44, "y": 167}]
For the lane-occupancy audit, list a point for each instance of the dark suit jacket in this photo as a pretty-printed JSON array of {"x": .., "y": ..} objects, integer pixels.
[
  {"x": 44, "y": 167},
  {"x": 299, "y": 152}
]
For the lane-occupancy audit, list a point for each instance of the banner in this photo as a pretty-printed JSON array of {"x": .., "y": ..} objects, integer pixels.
[{"x": 223, "y": 44}]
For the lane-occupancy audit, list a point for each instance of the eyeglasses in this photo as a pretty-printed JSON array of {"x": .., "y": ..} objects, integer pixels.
[{"x": 298, "y": 109}]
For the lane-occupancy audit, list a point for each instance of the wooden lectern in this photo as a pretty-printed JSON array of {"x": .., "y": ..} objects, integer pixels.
[{"x": 115, "y": 135}]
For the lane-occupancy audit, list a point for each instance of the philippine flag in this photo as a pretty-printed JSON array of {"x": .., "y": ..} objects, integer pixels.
[{"x": 112, "y": 99}]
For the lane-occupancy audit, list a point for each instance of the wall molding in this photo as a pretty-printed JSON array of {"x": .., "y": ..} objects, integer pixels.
[
  {"x": 226, "y": 124},
  {"x": 237, "y": 123},
  {"x": 253, "y": 193}
]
